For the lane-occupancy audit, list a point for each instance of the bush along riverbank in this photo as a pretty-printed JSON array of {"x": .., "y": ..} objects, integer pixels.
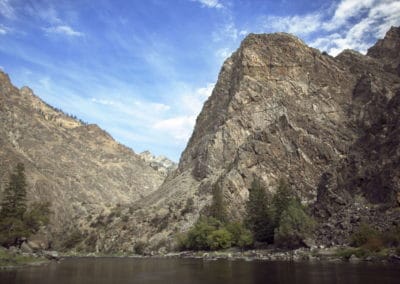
[
  {"x": 15, "y": 258},
  {"x": 284, "y": 226}
]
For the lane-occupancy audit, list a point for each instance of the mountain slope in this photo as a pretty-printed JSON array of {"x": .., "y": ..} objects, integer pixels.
[
  {"x": 283, "y": 109},
  {"x": 79, "y": 168}
]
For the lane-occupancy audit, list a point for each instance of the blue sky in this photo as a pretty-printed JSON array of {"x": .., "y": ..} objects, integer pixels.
[{"x": 142, "y": 69}]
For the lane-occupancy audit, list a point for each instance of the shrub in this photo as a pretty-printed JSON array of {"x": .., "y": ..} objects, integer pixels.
[
  {"x": 140, "y": 247},
  {"x": 392, "y": 237},
  {"x": 363, "y": 234},
  {"x": 294, "y": 226},
  {"x": 374, "y": 244},
  {"x": 219, "y": 239},
  {"x": 241, "y": 236},
  {"x": 38, "y": 215},
  {"x": 73, "y": 239},
  {"x": 12, "y": 230},
  {"x": 197, "y": 237},
  {"x": 189, "y": 207}
]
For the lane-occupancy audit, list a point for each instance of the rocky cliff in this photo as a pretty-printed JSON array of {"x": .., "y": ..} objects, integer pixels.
[
  {"x": 280, "y": 108},
  {"x": 79, "y": 168},
  {"x": 159, "y": 163}
]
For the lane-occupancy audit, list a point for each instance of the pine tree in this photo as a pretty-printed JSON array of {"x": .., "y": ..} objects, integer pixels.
[
  {"x": 13, "y": 208},
  {"x": 282, "y": 198},
  {"x": 259, "y": 214},
  {"x": 14, "y": 200},
  {"x": 218, "y": 207}
]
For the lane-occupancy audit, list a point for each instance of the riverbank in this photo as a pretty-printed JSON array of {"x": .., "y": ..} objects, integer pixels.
[
  {"x": 331, "y": 254},
  {"x": 15, "y": 259}
]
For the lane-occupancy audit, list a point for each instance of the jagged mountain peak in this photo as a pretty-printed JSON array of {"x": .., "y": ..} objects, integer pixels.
[
  {"x": 283, "y": 109},
  {"x": 387, "y": 50}
]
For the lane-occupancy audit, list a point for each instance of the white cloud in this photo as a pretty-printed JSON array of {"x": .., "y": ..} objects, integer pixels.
[
  {"x": 3, "y": 30},
  {"x": 223, "y": 53},
  {"x": 103, "y": 101},
  {"x": 6, "y": 10},
  {"x": 352, "y": 24},
  {"x": 346, "y": 10},
  {"x": 228, "y": 31},
  {"x": 380, "y": 16},
  {"x": 298, "y": 25},
  {"x": 210, "y": 3},
  {"x": 180, "y": 127},
  {"x": 63, "y": 30}
]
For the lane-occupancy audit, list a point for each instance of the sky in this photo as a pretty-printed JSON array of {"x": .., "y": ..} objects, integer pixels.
[{"x": 142, "y": 69}]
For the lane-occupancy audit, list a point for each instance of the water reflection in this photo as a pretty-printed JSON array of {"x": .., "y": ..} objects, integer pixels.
[{"x": 125, "y": 270}]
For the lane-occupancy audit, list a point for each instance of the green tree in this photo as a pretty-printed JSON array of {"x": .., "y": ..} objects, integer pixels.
[
  {"x": 15, "y": 220},
  {"x": 11, "y": 230},
  {"x": 38, "y": 215},
  {"x": 14, "y": 200},
  {"x": 259, "y": 214},
  {"x": 295, "y": 225},
  {"x": 281, "y": 200},
  {"x": 241, "y": 236},
  {"x": 218, "y": 206},
  {"x": 219, "y": 239},
  {"x": 198, "y": 237}
]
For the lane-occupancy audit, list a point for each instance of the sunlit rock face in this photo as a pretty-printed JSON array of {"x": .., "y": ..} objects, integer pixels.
[
  {"x": 280, "y": 109},
  {"x": 79, "y": 168},
  {"x": 329, "y": 125}
]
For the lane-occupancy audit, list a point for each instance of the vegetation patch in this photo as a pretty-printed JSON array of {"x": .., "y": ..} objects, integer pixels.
[
  {"x": 17, "y": 221},
  {"x": 8, "y": 259}
]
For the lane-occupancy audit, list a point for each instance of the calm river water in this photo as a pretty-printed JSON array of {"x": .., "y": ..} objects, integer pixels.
[{"x": 192, "y": 271}]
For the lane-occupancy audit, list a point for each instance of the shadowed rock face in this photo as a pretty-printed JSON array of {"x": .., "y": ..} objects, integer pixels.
[
  {"x": 79, "y": 168},
  {"x": 282, "y": 109}
]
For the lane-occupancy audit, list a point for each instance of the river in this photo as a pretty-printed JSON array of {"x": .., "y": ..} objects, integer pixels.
[{"x": 192, "y": 271}]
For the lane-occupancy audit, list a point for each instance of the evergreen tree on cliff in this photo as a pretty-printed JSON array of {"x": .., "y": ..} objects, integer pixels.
[
  {"x": 14, "y": 200},
  {"x": 259, "y": 216},
  {"x": 13, "y": 208}
]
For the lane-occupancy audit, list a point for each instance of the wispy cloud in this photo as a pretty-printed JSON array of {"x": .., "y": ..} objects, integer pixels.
[
  {"x": 6, "y": 10},
  {"x": 210, "y": 3},
  {"x": 179, "y": 127},
  {"x": 352, "y": 24},
  {"x": 63, "y": 30},
  {"x": 3, "y": 30},
  {"x": 298, "y": 25},
  {"x": 374, "y": 18}
]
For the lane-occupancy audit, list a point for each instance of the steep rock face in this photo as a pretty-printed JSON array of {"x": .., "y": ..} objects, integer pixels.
[
  {"x": 160, "y": 163},
  {"x": 79, "y": 168},
  {"x": 282, "y": 109},
  {"x": 279, "y": 109},
  {"x": 387, "y": 50}
]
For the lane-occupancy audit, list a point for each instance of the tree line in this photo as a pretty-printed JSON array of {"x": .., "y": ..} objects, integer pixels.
[
  {"x": 280, "y": 219},
  {"x": 17, "y": 221}
]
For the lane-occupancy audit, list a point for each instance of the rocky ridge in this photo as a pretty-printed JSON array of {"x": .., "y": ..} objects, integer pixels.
[
  {"x": 78, "y": 167},
  {"x": 329, "y": 125},
  {"x": 280, "y": 108},
  {"x": 160, "y": 163}
]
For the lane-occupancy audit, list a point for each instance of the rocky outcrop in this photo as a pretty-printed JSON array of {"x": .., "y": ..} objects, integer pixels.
[
  {"x": 280, "y": 109},
  {"x": 387, "y": 51},
  {"x": 79, "y": 168},
  {"x": 283, "y": 109},
  {"x": 160, "y": 163}
]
